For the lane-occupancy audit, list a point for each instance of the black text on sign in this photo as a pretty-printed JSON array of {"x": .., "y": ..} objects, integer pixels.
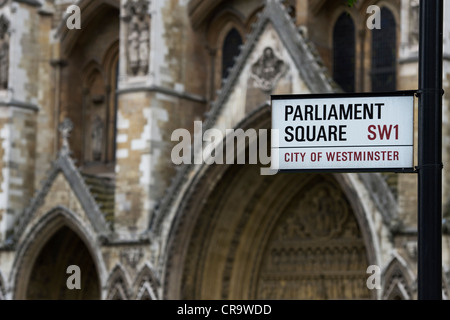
[{"x": 343, "y": 132}]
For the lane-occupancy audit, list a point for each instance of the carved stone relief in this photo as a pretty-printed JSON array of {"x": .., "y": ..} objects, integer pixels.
[
  {"x": 65, "y": 128},
  {"x": 396, "y": 287},
  {"x": 138, "y": 36},
  {"x": 267, "y": 70},
  {"x": 131, "y": 256},
  {"x": 316, "y": 251}
]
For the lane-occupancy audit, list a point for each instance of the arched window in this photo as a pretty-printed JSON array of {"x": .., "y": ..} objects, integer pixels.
[
  {"x": 230, "y": 50},
  {"x": 384, "y": 54},
  {"x": 100, "y": 114},
  {"x": 344, "y": 56},
  {"x": 88, "y": 92}
]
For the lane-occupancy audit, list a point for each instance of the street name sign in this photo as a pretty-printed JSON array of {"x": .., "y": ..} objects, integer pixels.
[{"x": 343, "y": 132}]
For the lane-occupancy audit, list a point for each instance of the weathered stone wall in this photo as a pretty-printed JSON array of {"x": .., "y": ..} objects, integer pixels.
[
  {"x": 19, "y": 109},
  {"x": 47, "y": 118},
  {"x": 4, "y": 173},
  {"x": 19, "y": 151}
]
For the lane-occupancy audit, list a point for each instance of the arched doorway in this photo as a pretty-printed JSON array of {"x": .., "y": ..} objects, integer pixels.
[
  {"x": 284, "y": 237},
  {"x": 48, "y": 276},
  {"x": 239, "y": 235},
  {"x": 315, "y": 249},
  {"x": 384, "y": 54}
]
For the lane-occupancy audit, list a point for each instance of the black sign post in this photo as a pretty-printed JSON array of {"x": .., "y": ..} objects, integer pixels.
[{"x": 430, "y": 151}]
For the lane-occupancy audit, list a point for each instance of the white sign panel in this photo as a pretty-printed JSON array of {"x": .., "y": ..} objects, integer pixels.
[{"x": 342, "y": 132}]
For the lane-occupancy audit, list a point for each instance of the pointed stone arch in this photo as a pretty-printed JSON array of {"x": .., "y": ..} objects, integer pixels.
[
  {"x": 398, "y": 280},
  {"x": 191, "y": 207},
  {"x": 312, "y": 244},
  {"x": 230, "y": 50},
  {"x": 344, "y": 51},
  {"x": 216, "y": 32},
  {"x": 217, "y": 236},
  {"x": 146, "y": 284},
  {"x": 231, "y": 241},
  {"x": 84, "y": 82},
  {"x": 118, "y": 288},
  {"x": 60, "y": 231},
  {"x": 99, "y": 82}
]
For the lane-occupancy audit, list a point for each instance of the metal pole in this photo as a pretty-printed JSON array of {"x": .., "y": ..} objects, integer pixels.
[{"x": 430, "y": 151}]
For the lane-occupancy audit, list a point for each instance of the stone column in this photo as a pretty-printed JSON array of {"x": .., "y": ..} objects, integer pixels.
[{"x": 153, "y": 101}]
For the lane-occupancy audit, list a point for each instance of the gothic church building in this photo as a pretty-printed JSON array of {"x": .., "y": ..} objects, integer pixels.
[{"x": 87, "y": 117}]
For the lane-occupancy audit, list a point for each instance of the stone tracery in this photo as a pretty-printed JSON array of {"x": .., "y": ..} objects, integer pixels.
[{"x": 316, "y": 251}]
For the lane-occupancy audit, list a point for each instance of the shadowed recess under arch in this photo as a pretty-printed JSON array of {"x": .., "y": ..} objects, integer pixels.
[{"x": 48, "y": 278}]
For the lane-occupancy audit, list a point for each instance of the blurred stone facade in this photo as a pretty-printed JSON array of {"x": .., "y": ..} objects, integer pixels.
[{"x": 86, "y": 177}]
